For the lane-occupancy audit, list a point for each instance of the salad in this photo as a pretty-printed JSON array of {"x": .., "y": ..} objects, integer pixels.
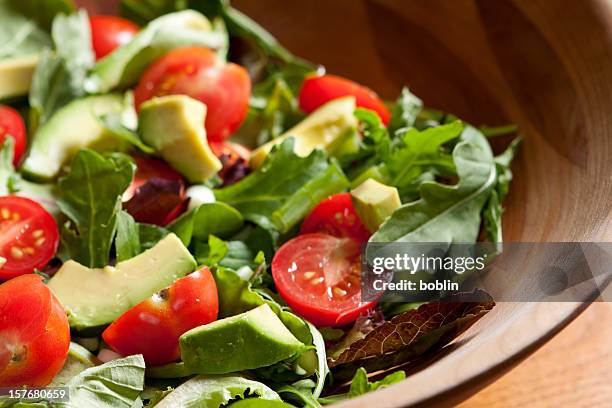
[{"x": 183, "y": 204}]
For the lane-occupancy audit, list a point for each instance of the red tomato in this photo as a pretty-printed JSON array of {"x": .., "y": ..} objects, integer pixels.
[
  {"x": 235, "y": 160},
  {"x": 153, "y": 327},
  {"x": 148, "y": 168},
  {"x": 110, "y": 32},
  {"x": 318, "y": 275},
  {"x": 28, "y": 236},
  {"x": 318, "y": 90},
  {"x": 196, "y": 72},
  {"x": 336, "y": 216},
  {"x": 11, "y": 124},
  {"x": 34, "y": 333}
]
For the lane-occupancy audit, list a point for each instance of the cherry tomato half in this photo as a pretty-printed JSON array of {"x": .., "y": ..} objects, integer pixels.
[
  {"x": 34, "y": 333},
  {"x": 28, "y": 236},
  {"x": 318, "y": 275},
  {"x": 336, "y": 216},
  {"x": 11, "y": 124},
  {"x": 109, "y": 33},
  {"x": 318, "y": 90},
  {"x": 225, "y": 88},
  {"x": 235, "y": 160},
  {"x": 153, "y": 327}
]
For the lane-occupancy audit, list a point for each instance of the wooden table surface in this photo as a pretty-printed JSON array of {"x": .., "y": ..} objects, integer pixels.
[{"x": 573, "y": 370}]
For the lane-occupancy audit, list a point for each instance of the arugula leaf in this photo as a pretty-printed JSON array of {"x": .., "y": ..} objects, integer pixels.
[
  {"x": 361, "y": 385},
  {"x": 447, "y": 213},
  {"x": 218, "y": 219},
  {"x": 127, "y": 242},
  {"x": 281, "y": 192},
  {"x": 404, "y": 112},
  {"x": 411, "y": 334},
  {"x": 114, "y": 384},
  {"x": 215, "y": 391},
  {"x": 59, "y": 76},
  {"x": 91, "y": 199},
  {"x": 12, "y": 183},
  {"x": 124, "y": 66},
  {"x": 492, "y": 213}
]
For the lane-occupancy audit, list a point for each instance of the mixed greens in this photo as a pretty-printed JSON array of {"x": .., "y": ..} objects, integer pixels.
[{"x": 242, "y": 254}]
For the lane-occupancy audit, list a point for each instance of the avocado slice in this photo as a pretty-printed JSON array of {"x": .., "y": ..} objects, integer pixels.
[
  {"x": 253, "y": 339},
  {"x": 94, "y": 297},
  {"x": 374, "y": 202},
  {"x": 73, "y": 127},
  {"x": 329, "y": 127},
  {"x": 16, "y": 76},
  {"x": 174, "y": 126}
]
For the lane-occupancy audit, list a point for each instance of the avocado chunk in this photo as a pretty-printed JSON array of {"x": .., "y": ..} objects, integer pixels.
[
  {"x": 374, "y": 202},
  {"x": 94, "y": 297},
  {"x": 16, "y": 76},
  {"x": 174, "y": 126},
  {"x": 328, "y": 128},
  {"x": 253, "y": 339},
  {"x": 70, "y": 129}
]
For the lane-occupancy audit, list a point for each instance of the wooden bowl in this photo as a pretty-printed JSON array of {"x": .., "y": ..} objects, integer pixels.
[{"x": 545, "y": 65}]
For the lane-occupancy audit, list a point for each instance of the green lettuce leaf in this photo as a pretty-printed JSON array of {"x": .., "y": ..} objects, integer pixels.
[
  {"x": 215, "y": 391},
  {"x": 217, "y": 219},
  {"x": 115, "y": 384},
  {"x": 404, "y": 112},
  {"x": 59, "y": 76},
  {"x": 361, "y": 385},
  {"x": 91, "y": 199},
  {"x": 447, "y": 213},
  {"x": 127, "y": 241},
  {"x": 285, "y": 188}
]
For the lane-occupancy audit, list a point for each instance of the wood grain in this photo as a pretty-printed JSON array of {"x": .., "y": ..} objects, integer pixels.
[{"x": 572, "y": 370}]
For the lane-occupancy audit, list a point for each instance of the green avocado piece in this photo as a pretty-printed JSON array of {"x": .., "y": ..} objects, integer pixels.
[
  {"x": 330, "y": 127},
  {"x": 16, "y": 76},
  {"x": 174, "y": 126},
  {"x": 70, "y": 129},
  {"x": 374, "y": 202},
  {"x": 253, "y": 339},
  {"x": 94, "y": 297}
]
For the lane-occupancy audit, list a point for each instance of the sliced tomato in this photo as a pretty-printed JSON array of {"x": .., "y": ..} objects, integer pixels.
[
  {"x": 336, "y": 216},
  {"x": 319, "y": 276},
  {"x": 34, "y": 333},
  {"x": 225, "y": 88},
  {"x": 109, "y": 33},
  {"x": 12, "y": 125},
  {"x": 28, "y": 236},
  {"x": 235, "y": 160},
  {"x": 318, "y": 90},
  {"x": 153, "y": 327}
]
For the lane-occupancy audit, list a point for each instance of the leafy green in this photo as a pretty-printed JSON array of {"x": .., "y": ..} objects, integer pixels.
[
  {"x": 41, "y": 12},
  {"x": 150, "y": 234},
  {"x": 127, "y": 241},
  {"x": 215, "y": 391},
  {"x": 411, "y": 334},
  {"x": 447, "y": 213},
  {"x": 285, "y": 188},
  {"x": 7, "y": 171},
  {"x": 218, "y": 219},
  {"x": 493, "y": 210},
  {"x": 404, "y": 112},
  {"x": 124, "y": 66},
  {"x": 112, "y": 123},
  {"x": 91, "y": 199},
  {"x": 361, "y": 385},
  {"x": 114, "y": 384},
  {"x": 60, "y": 75}
]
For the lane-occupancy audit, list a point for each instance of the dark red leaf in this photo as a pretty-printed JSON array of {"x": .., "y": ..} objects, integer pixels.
[{"x": 158, "y": 201}]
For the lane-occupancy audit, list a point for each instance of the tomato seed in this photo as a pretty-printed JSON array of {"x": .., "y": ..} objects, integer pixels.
[
  {"x": 16, "y": 253},
  {"x": 340, "y": 292},
  {"x": 38, "y": 233},
  {"x": 28, "y": 250},
  {"x": 39, "y": 242},
  {"x": 6, "y": 214},
  {"x": 318, "y": 280},
  {"x": 309, "y": 275},
  {"x": 2, "y": 261},
  {"x": 16, "y": 216}
]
